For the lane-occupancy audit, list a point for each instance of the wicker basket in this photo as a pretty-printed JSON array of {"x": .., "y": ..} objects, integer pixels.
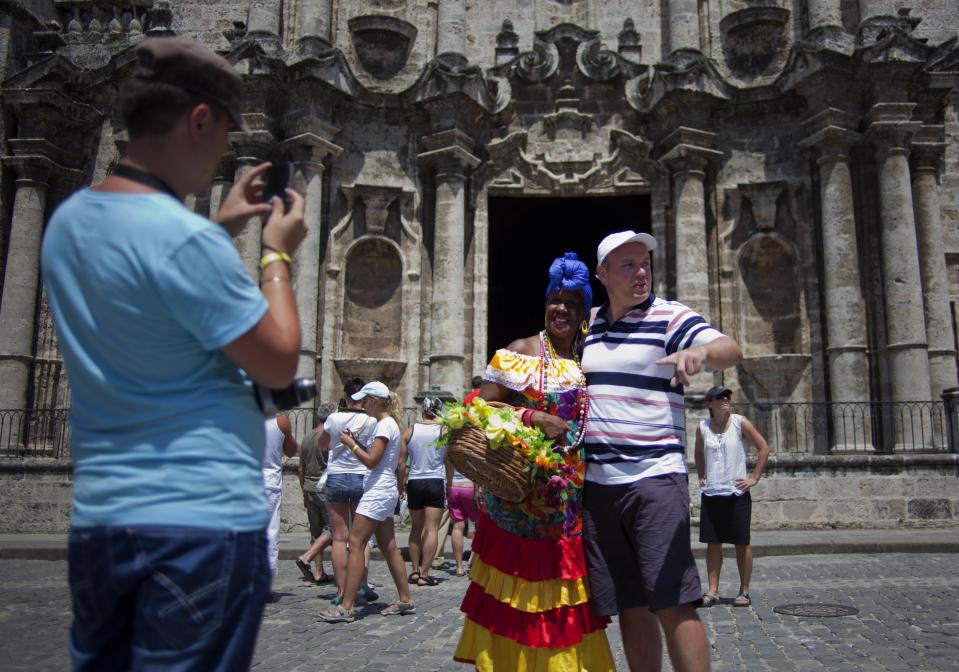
[{"x": 501, "y": 471}]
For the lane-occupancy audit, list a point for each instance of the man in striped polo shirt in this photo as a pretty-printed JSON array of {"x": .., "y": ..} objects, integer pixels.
[{"x": 640, "y": 351}]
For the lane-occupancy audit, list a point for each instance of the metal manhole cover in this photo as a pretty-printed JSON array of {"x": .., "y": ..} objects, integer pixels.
[{"x": 814, "y": 610}]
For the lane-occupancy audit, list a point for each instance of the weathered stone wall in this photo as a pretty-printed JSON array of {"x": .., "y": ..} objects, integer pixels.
[{"x": 796, "y": 493}]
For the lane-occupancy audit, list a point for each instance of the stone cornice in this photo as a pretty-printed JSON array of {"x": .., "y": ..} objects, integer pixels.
[
  {"x": 890, "y": 127},
  {"x": 689, "y": 149},
  {"x": 67, "y": 111}
]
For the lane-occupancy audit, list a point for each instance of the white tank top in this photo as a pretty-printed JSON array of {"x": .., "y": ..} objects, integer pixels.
[
  {"x": 725, "y": 456},
  {"x": 273, "y": 456},
  {"x": 426, "y": 460}
]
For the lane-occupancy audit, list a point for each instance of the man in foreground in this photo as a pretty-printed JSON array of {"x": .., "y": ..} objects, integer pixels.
[
  {"x": 640, "y": 350},
  {"x": 156, "y": 317}
]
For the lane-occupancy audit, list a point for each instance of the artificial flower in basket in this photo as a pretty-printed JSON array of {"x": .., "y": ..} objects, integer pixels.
[{"x": 489, "y": 444}]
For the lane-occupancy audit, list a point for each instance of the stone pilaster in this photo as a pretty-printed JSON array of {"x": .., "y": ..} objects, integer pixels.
[
  {"x": 220, "y": 186},
  {"x": 890, "y": 129},
  {"x": 263, "y": 22},
  {"x": 451, "y": 27},
  {"x": 683, "y": 25},
  {"x": 314, "y": 26},
  {"x": 825, "y": 25},
  {"x": 845, "y": 306},
  {"x": 251, "y": 149},
  {"x": 309, "y": 150},
  {"x": 688, "y": 156},
  {"x": 926, "y": 155},
  {"x": 448, "y": 153},
  {"x": 34, "y": 163}
]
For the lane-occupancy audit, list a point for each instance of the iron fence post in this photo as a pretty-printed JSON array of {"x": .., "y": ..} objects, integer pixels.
[{"x": 950, "y": 397}]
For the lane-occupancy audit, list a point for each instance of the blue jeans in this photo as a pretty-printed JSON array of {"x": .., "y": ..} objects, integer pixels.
[{"x": 166, "y": 598}]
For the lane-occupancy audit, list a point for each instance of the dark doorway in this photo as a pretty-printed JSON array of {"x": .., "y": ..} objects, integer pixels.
[{"x": 526, "y": 234}]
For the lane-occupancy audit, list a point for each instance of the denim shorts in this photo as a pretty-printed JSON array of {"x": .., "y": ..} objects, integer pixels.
[{"x": 343, "y": 488}]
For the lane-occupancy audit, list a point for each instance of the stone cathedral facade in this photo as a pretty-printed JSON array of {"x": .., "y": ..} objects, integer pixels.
[{"x": 798, "y": 160}]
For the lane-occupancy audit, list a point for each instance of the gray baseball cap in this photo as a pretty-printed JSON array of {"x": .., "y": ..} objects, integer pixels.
[{"x": 188, "y": 65}]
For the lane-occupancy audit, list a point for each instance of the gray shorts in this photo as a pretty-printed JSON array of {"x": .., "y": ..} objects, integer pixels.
[
  {"x": 316, "y": 514},
  {"x": 637, "y": 545}
]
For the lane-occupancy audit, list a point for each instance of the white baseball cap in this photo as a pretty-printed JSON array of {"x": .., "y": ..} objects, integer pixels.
[
  {"x": 374, "y": 389},
  {"x": 614, "y": 240}
]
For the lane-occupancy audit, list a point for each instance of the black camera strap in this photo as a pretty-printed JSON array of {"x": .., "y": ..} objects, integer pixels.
[{"x": 144, "y": 178}]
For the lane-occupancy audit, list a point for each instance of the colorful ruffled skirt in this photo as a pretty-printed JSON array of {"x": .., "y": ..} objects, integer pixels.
[{"x": 527, "y": 608}]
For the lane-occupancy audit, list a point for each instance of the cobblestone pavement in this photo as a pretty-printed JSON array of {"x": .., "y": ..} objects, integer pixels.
[{"x": 908, "y": 620}]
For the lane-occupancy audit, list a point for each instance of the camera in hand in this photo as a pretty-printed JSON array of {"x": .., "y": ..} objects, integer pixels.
[{"x": 298, "y": 392}]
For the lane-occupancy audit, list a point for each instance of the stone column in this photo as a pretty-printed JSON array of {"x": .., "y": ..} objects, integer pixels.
[
  {"x": 683, "y": 25},
  {"x": 315, "y": 25},
  {"x": 688, "y": 159},
  {"x": 220, "y": 186},
  {"x": 251, "y": 149},
  {"x": 823, "y": 13},
  {"x": 309, "y": 150},
  {"x": 825, "y": 26},
  {"x": 263, "y": 22},
  {"x": 932, "y": 265},
  {"x": 449, "y": 154},
  {"x": 845, "y": 306},
  {"x": 22, "y": 277},
  {"x": 451, "y": 27},
  {"x": 890, "y": 130}
]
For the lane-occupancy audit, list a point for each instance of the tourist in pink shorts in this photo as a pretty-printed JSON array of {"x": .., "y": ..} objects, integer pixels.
[{"x": 461, "y": 502}]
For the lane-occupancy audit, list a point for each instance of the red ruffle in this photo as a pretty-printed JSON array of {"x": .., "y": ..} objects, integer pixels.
[
  {"x": 555, "y": 629},
  {"x": 530, "y": 559}
]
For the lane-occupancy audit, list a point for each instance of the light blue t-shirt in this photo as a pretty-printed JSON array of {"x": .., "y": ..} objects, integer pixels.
[{"x": 165, "y": 429}]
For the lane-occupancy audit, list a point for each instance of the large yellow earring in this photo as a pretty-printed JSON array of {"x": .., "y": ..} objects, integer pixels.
[{"x": 584, "y": 328}]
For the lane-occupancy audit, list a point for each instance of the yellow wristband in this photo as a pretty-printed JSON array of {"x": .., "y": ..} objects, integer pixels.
[
  {"x": 353, "y": 449},
  {"x": 275, "y": 256}
]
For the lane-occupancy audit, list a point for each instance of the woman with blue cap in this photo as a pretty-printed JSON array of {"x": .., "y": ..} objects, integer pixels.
[{"x": 527, "y": 606}]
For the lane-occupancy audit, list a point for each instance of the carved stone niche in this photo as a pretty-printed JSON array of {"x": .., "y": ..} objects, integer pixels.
[
  {"x": 382, "y": 43},
  {"x": 753, "y": 38}
]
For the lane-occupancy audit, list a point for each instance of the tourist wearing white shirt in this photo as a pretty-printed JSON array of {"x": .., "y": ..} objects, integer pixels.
[{"x": 725, "y": 502}]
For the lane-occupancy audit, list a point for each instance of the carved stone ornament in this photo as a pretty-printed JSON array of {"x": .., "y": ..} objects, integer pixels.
[
  {"x": 566, "y": 44},
  {"x": 382, "y": 43},
  {"x": 625, "y": 167}
]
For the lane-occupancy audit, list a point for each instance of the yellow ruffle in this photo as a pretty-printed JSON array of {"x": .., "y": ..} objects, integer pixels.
[
  {"x": 519, "y": 372},
  {"x": 492, "y": 653},
  {"x": 528, "y": 596}
]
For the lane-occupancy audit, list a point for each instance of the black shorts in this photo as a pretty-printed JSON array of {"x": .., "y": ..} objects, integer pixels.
[
  {"x": 637, "y": 545},
  {"x": 725, "y": 519},
  {"x": 423, "y": 492}
]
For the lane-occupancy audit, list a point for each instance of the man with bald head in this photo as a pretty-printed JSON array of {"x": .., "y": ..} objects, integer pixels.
[{"x": 639, "y": 353}]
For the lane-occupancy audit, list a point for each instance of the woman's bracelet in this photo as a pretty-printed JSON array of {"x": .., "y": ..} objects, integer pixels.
[
  {"x": 527, "y": 417},
  {"x": 268, "y": 259}
]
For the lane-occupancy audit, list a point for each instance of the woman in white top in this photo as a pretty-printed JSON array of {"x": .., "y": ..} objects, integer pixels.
[
  {"x": 279, "y": 443},
  {"x": 425, "y": 489},
  {"x": 374, "y": 515},
  {"x": 345, "y": 474},
  {"x": 725, "y": 502}
]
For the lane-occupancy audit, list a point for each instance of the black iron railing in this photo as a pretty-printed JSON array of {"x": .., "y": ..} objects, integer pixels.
[
  {"x": 852, "y": 427},
  {"x": 801, "y": 428}
]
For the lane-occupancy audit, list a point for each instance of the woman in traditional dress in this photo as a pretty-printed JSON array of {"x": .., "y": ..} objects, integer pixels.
[{"x": 527, "y": 607}]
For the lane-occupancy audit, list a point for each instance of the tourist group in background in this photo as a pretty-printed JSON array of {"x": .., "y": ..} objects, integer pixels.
[{"x": 176, "y": 471}]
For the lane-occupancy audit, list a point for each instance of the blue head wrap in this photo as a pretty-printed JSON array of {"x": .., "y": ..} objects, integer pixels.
[{"x": 569, "y": 273}]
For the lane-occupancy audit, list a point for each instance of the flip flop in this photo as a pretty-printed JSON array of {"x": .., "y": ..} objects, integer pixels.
[
  {"x": 742, "y": 600},
  {"x": 709, "y": 600},
  {"x": 414, "y": 577},
  {"x": 460, "y": 572},
  {"x": 427, "y": 581},
  {"x": 306, "y": 571},
  {"x": 324, "y": 578}
]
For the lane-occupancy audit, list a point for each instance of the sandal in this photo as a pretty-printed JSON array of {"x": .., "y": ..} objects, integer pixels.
[
  {"x": 460, "y": 572},
  {"x": 427, "y": 581},
  {"x": 709, "y": 600},
  {"x": 338, "y": 614},
  {"x": 742, "y": 600},
  {"x": 324, "y": 578},
  {"x": 399, "y": 609},
  {"x": 306, "y": 571},
  {"x": 414, "y": 577}
]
